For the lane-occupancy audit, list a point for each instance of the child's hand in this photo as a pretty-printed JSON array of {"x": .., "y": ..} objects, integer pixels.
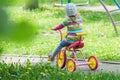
[
  {"x": 58, "y": 27},
  {"x": 53, "y": 29}
]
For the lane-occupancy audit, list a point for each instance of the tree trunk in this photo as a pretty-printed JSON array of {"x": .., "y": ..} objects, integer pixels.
[{"x": 31, "y": 4}]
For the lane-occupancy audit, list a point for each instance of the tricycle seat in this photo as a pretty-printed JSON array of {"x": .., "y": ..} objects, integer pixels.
[{"x": 76, "y": 45}]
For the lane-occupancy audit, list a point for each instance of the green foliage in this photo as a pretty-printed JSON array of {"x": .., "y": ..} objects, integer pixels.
[
  {"x": 3, "y": 22},
  {"x": 10, "y": 2},
  {"x": 1, "y": 49},
  {"x": 42, "y": 71},
  {"x": 23, "y": 30},
  {"x": 31, "y": 4}
]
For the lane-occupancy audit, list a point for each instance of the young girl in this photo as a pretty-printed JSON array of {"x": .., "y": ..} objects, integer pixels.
[{"x": 73, "y": 23}]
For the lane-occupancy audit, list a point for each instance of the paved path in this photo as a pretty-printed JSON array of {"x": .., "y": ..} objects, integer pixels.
[
  {"x": 22, "y": 59},
  {"x": 97, "y": 8},
  {"x": 111, "y": 9},
  {"x": 103, "y": 66}
]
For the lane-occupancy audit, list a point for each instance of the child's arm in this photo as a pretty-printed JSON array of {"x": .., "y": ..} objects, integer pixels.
[{"x": 60, "y": 26}]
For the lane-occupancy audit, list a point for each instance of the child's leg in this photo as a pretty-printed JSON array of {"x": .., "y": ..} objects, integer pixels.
[{"x": 60, "y": 46}]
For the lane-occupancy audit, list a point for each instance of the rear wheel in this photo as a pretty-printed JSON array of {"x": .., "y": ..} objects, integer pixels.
[
  {"x": 70, "y": 65},
  {"x": 93, "y": 63},
  {"x": 61, "y": 58}
]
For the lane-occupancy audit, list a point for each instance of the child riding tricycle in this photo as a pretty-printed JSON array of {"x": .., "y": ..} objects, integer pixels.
[{"x": 72, "y": 42}]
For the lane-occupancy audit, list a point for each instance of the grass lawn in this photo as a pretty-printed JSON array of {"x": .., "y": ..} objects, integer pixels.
[{"x": 100, "y": 41}]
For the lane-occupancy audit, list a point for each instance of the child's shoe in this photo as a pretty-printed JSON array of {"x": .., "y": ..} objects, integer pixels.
[{"x": 50, "y": 57}]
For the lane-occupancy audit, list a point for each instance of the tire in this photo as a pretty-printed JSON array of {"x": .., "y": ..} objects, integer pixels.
[
  {"x": 92, "y": 62},
  {"x": 61, "y": 59},
  {"x": 70, "y": 65}
]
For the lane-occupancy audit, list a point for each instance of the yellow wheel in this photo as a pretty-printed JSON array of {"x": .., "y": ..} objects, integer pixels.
[
  {"x": 70, "y": 65},
  {"x": 93, "y": 63},
  {"x": 61, "y": 58}
]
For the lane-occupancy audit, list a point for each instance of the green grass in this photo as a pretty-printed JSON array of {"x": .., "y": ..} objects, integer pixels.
[
  {"x": 42, "y": 71},
  {"x": 100, "y": 41}
]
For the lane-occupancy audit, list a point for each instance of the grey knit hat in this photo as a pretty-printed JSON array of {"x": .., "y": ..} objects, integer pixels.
[{"x": 71, "y": 9}]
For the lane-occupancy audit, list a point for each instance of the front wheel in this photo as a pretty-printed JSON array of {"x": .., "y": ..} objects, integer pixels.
[
  {"x": 61, "y": 59},
  {"x": 93, "y": 63},
  {"x": 70, "y": 65}
]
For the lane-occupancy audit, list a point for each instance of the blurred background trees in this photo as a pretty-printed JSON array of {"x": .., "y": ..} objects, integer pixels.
[
  {"x": 16, "y": 30},
  {"x": 31, "y": 4}
]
